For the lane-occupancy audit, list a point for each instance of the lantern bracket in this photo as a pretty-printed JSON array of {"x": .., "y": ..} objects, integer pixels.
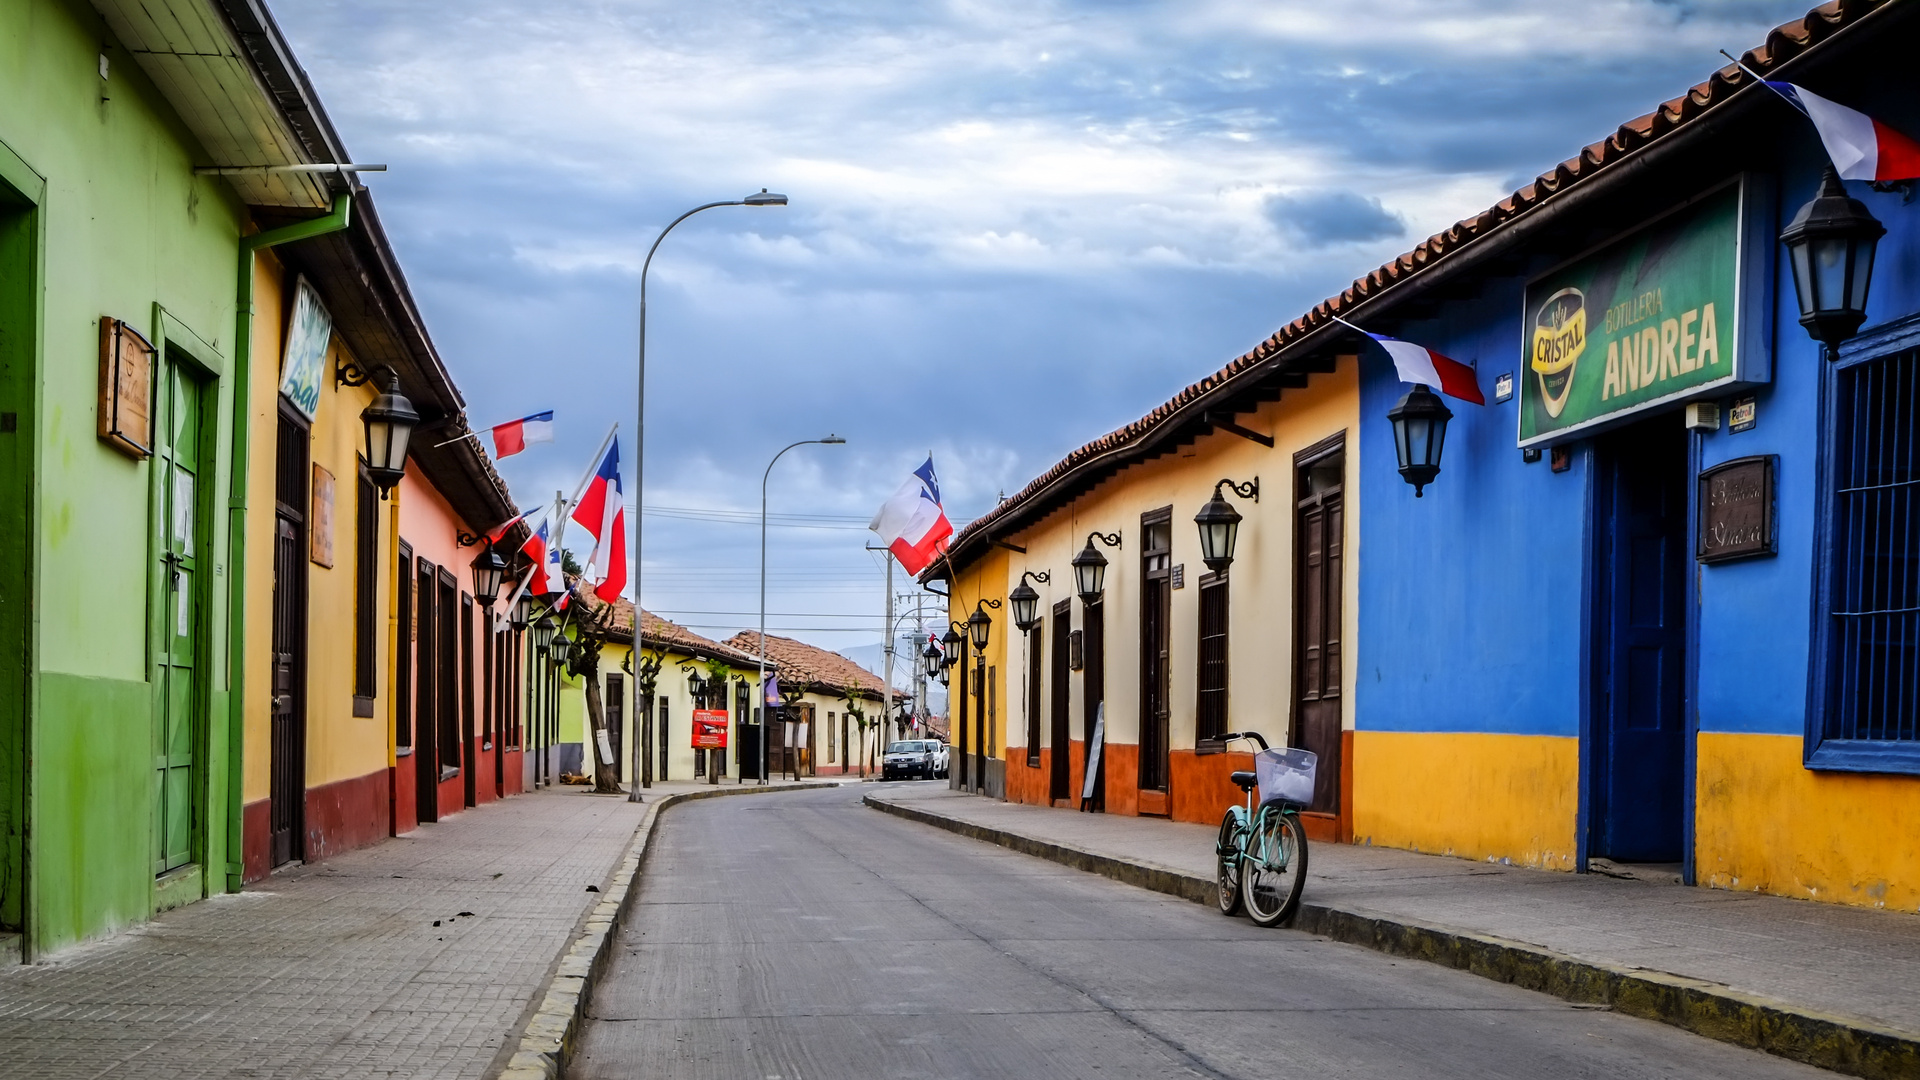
[
  {"x": 1248, "y": 490},
  {"x": 1111, "y": 539},
  {"x": 466, "y": 539},
  {"x": 348, "y": 373},
  {"x": 1225, "y": 423},
  {"x": 1042, "y": 576}
]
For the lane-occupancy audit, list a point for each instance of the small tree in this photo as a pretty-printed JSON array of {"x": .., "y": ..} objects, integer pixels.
[{"x": 859, "y": 713}]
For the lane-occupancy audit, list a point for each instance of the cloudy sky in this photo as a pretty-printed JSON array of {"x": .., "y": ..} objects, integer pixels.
[{"x": 1014, "y": 227}]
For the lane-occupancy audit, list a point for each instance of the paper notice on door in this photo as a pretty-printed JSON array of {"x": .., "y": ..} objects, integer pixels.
[
  {"x": 1093, "y": 752},
  {"x": 182, "y": 606},
  {"x": 606, "y": 746}
]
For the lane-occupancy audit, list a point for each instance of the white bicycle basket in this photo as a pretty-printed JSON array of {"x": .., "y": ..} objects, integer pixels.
[{"x": 1285, "y": 775}]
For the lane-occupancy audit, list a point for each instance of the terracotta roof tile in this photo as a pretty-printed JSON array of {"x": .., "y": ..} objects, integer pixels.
[
  {"x": 1783, "y": 43},
  {"x": 617, "y": 618},
  {"x": 820, "y": 670}
]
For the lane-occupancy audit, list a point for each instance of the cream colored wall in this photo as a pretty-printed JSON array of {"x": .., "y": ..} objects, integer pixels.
[
  {"x": 1260, "y": 602},
  {"x": 269, "y": 323}
]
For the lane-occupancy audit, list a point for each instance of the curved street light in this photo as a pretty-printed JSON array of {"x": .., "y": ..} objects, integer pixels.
[
  {"x": 762, "y": 198},
  {"x": 760, "y": 688}
]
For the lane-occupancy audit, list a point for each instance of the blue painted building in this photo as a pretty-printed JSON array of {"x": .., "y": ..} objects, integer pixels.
[{"x": 1618, "y": 628}]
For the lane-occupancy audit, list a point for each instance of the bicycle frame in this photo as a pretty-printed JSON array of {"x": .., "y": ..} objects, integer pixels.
[{"x": 1245, "y": 817}]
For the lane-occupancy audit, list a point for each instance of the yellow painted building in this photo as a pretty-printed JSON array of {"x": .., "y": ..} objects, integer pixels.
[{"x": 1170, "y": 655}]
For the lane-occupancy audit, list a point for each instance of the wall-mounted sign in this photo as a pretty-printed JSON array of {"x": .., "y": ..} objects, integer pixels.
[
  {"x": 320, "y": 523},
  {"x": 1503, "y": 386},
  {"x": 709, "y": 729},
  {"x": 1641, "y": 322},
  {"x": 304, "y": 365},
  {"x": 1736, "y": 510},
  {"x": 126, "y": 389},
  {"x": 1177, "y": 577},
  {"x": 1743, "y": 415}
]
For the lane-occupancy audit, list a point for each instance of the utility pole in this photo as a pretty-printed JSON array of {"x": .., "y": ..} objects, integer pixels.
[{"x": 886, "y": 680}]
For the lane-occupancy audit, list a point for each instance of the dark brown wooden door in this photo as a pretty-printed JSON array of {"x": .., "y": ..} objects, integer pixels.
[
  {"x": 1156, "y": 668},
  {"x": 426, "y": 694},
  {"x": 447, "y": 638},
  {"x": 1093, "y": 692},
  {"x": 469, "y": 764},
  {"x": 287, "y": 786},
  {"x": 1319, "y": 528},
  {"x": 1060, "y": 765}
]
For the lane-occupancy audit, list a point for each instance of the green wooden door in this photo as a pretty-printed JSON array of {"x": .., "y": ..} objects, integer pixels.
[{"x": 178, "y": 457}]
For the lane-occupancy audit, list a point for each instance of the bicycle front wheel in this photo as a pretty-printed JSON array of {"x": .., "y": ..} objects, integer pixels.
[
  {"x": 1275, "y": 870},
  {"x": 1227, "y": 878}
]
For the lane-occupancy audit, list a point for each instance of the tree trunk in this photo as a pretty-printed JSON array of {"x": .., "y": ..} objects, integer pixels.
[{"x": 606, "y": 775}]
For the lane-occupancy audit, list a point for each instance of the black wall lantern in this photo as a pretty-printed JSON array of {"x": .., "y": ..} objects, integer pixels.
[
  {"x": 1220, "y": 524},
  {"x": 950, "y": 641},
  {"x": 561, "y": 646},
  {"x": 932, "y": 660},
  {"x": 1830, "y": 245},
  {"x": 543, "y": 634},
  {"x": 488, "y": 569},
  {"x": 389, "y": 421},
  {"x": 518, "y": 618},
  {"x": 1419, "y": 432},
  {"x": 1025, "y": 601},
  {"x": 979, "y": 624},
  {"x": 1090, "y": 567}
]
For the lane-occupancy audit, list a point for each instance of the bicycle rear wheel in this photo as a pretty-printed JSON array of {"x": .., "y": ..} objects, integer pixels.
[
  {"x": 1227, "y": 878},
  {"x": 1275, "y": 870}
]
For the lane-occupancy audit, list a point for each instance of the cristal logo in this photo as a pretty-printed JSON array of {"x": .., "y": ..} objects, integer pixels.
[{"x": 1559, "y": 337}]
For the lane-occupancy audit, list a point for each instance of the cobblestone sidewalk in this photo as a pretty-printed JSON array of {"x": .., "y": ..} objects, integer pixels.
[{"x": 417, "y": 957}]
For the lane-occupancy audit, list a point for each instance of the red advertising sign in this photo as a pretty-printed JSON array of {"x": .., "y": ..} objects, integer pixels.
[{"x": 709, "y": 729}]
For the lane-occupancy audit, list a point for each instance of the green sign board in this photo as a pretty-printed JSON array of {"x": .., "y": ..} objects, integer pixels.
[{"x": 1642, "y": 322}]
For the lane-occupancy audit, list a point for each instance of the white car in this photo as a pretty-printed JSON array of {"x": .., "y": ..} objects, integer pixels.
[{"x": 916, "y": 759}]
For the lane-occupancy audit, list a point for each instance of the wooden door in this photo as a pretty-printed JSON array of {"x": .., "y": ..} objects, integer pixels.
[
  {"x": 448, "y": 697},
  {"x": 1638, "y": 762},
  {"x": 426, "y": 688},
  {"x": 469, "y": 746},
  {"x": 1060, "y": 764},
  {"x": 1093, "y": 693},
  {"x": 179, "y": 457},
  {"x": 616, "y": 707},
  {"x": 1156, "y": 664},
  {"x": 287, "y": 788},
  {"x": 1319, "y": 527}
]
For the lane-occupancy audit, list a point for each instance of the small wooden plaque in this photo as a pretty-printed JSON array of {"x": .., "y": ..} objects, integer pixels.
[
  {"x": 320, "y": 525},
  {"x": 126, "y": 389},
  {"x": 1736, "y": 510}
]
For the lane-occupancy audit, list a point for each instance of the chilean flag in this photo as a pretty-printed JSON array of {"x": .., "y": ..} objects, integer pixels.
[
  {"x": 602, "y": 512},
  {"x": 1419, "y": 364},
  {"x": 545, "y": 558},
  {"x": 516, "y": 435},
  {"x": 912, "y": 523},
  {"x": 1861, "y": 147}
]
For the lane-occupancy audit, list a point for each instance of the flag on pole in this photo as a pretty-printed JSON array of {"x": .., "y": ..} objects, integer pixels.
[
  {"x": 500, "y": 530},
  {"x": 912, "y": 523},
  {"x": 1861, "y": 147},
  {"x": 602, "y": 512},
  {"x": 1419, "y": 364},
  {"x": 516, "y": 435},
  {"x": 544, "y": 557}
]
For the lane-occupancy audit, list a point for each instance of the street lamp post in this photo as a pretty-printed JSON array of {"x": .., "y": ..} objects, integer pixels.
[
  {"x": 760, "y": 690},
  {"x": 763, "y": 198}
]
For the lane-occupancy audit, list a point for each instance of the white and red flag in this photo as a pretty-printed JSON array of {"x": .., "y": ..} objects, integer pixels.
[
  {"x": 1861, "y": 147},
  {"x": 516, "y": 435},
  {"x": 544, "y": 555},
  {"x": 1419, "y": 364},
  {"x": 602, "y": 512},
  {"x": 912, "y": 523}
]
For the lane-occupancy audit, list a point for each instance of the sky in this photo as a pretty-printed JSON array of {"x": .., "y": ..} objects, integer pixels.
[{"x": 1014, "y": 227}]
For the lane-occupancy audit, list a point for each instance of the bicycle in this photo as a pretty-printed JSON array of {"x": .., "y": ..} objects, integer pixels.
[{"x": 1262, "y": 850}]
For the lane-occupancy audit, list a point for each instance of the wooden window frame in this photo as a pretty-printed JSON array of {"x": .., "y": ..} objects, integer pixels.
[
  {"x": 1210, "y": 711},
  {"x": 1156, "y": 668},
  {"x": 403, "y": 651},
  {"x": 1036, "y": 666}
]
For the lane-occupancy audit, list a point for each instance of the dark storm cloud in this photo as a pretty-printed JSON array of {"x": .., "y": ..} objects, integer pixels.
[{"x": 1015, "y": 226}]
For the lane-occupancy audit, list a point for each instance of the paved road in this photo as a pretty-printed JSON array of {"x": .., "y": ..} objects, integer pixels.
[{"x": 804, "y": 936}]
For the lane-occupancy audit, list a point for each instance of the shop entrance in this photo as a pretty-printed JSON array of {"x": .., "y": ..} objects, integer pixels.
[{"x": 1636, "y": 751}]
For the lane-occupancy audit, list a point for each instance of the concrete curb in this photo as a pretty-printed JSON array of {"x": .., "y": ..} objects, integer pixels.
[
  {"x": 1840, "y": 1043},
  {"x": 548, "y": 1040}
]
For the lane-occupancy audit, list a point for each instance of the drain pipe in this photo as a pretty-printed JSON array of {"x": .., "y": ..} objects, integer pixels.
[{"x": 334, "y": 221}]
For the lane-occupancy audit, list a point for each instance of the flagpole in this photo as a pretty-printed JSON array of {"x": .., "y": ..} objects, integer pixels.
[
  {"x": 564, "y": 509},
  {"x": 1757, "y": 77}
]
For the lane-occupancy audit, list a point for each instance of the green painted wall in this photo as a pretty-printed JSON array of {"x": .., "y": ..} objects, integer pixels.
[{"x": 125, "y": 229}]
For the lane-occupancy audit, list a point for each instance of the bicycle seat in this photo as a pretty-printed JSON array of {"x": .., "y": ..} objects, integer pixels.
[{"x": 1245, "y": 780}]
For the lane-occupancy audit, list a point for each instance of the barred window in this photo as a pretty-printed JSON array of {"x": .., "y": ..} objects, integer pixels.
[
  {"x": 1871, "y": 680},
  {"x": 1211, "y": 710}
]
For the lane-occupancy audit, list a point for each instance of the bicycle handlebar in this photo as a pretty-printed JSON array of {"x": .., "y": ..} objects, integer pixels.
[{"x": 1250, "y": 735}]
